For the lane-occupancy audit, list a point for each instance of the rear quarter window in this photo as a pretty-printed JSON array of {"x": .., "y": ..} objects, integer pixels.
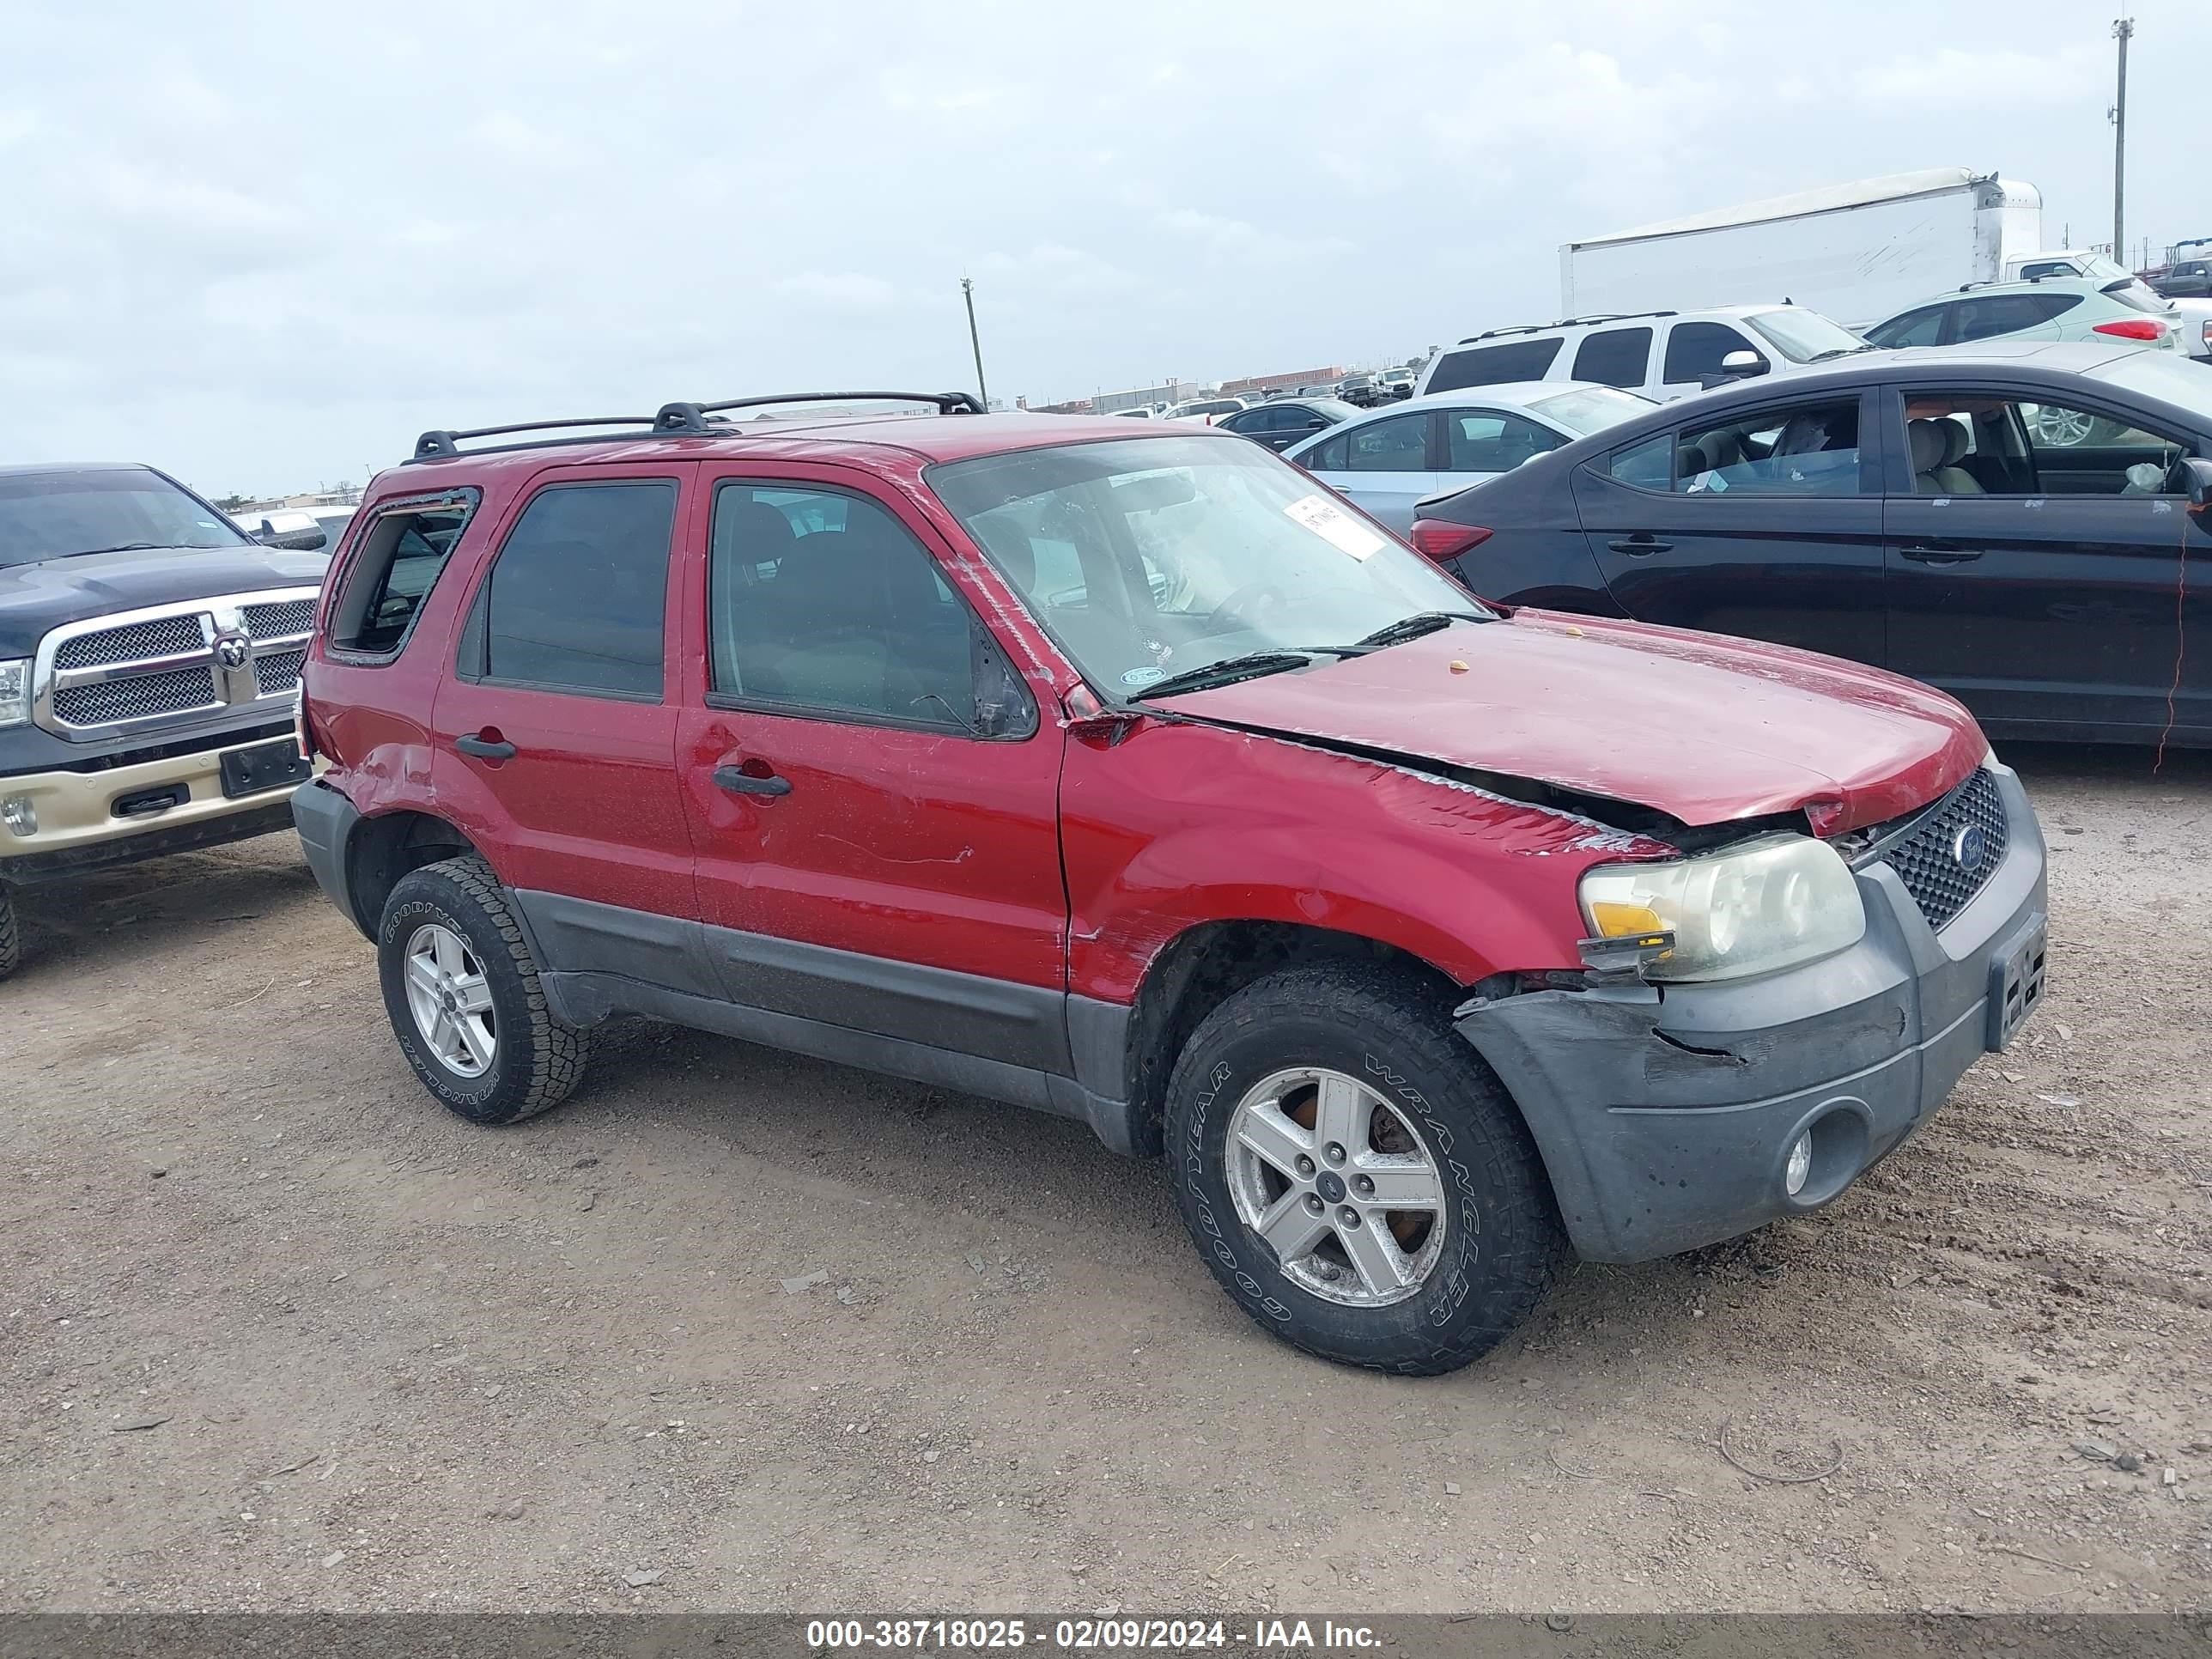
[
  {"x": 401, "y": 552},
  {"x": 1494, "y": 365}
]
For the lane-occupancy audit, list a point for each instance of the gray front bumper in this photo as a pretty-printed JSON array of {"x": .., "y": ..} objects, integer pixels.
[{"x": 1665, "y": 1114}]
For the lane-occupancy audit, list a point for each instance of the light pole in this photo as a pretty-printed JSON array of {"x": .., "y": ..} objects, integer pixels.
[
  {"x": 2123, "y": 30},
  {"x": 975, "y": 340}
]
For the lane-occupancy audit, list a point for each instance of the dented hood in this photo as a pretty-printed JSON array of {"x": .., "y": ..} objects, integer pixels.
[{"x": 1702, "y": 727}]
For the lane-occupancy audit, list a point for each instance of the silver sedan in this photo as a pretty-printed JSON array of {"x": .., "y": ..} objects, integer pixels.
[{"x": 1386, "y": 458}]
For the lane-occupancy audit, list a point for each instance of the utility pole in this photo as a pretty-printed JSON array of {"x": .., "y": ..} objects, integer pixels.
[
  {"x": 967, "y": 293},
  {"x": 2123, "y": 30}
]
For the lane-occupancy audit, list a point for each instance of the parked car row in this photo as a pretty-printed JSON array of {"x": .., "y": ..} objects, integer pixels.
[{"x": 2027, "y": 525}]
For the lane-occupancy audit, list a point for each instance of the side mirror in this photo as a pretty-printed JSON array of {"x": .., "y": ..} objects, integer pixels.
[
  {"x": 291, "y": 541},
  {"x": 1743, "y": 365},
  {"x": 2197, "y": 483}
]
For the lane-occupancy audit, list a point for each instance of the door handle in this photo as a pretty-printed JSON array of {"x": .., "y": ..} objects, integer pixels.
[
  {"x": 1638, "y": 545},
  {"x": 490, "y": 749},
  {"x": 739, "y": 781},
  {"x": 1938, "y": 553}
]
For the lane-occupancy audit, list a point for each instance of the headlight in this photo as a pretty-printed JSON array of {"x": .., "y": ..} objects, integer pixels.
[
  {"x": 15, "y": 691},
  {"x": 1772, "y": 904}
]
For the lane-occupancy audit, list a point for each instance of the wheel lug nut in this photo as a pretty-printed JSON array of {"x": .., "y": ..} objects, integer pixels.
[
  {"x": 1314, "y": 1206},
  {"x": 1333, "y": 1152},
  {"x": 1348, "y": 1215},
  {"x": 1365, "y": 1184},
  {"x": 1305, "y": 1164}
]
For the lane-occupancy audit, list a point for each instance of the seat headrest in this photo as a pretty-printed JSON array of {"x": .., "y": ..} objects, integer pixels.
[
  {"x": 1927, "y": 444},
  {"x": 755, "y": 531},
  {"x": 1955, "y": 442}
]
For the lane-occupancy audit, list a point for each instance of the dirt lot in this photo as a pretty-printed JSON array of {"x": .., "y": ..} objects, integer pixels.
[{"x": 279, "y": 1332}]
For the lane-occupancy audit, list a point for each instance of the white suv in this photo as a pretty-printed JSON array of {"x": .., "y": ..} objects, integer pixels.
[{"x": 1660, "y": 354}]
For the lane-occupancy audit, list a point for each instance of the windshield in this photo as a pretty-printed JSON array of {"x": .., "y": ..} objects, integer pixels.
[
  {"x": 2097, "y": 265},
  {"x": 1592, "y": 408},
  {"x": 2165, "y": 375},
  {"x": 53, "y": 515},
  {"x": 1804, "y": 336},
  {"x": 1147, "y": 557}
]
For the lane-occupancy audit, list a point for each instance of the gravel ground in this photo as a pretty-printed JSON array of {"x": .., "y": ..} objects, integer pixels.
[{"x": 734, "y": 1330}]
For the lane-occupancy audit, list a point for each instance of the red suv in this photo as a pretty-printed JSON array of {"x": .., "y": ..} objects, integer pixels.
[{"x": 1125, "y": 773}]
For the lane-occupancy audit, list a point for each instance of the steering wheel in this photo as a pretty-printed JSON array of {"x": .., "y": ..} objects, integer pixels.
[{"x": 1225, "y": 610}]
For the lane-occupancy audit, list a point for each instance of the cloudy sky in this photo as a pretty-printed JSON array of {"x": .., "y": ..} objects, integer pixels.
[{"x": 263, "y": 245}]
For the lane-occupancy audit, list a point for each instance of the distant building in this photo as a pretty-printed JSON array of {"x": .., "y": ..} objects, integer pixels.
[
  {"x": 1264, "y": 383},
  {"x": 1173, "y": 391}
]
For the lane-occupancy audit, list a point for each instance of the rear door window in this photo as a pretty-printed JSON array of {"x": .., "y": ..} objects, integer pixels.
[
  {"x": 577, "y": 599},
  {"x": 1491, "y": 440},
  {"x": 1617, "y": 357},
  {"x": 2006, "y": 314},
  {"x": 1805, "y": 449},
  {"x": 1495, "y": 365},
  {"x": 1398, "y": 445}
]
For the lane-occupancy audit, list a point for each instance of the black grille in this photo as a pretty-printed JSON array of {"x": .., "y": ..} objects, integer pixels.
[
  {"x": 278, "y": 671},
  {"x": 134, "y": 699},
  {"x": 164, "y": 637},
  {"x": 270, "y": 621},
  {"x": 1927, "y": 860}
]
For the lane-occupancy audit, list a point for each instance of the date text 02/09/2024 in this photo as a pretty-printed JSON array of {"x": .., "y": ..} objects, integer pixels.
[{"x": 1105, "y": 1633}]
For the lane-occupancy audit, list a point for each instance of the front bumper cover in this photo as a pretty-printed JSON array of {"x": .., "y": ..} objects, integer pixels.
[
  {"x": 80, "y": 828},
  {"x": 1665, "y": 1114}
]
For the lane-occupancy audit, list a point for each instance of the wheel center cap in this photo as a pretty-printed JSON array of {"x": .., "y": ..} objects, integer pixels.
[{"x": 1330, "y": 1186}]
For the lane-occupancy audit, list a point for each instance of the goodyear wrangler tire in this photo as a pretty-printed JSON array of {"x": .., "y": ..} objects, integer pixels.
[
  {"x": 461, "y": 991},
  {"x": 1355, "y": 1176}
]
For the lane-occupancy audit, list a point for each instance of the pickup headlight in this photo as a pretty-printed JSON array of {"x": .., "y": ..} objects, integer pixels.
[
  {"x": 15, "y": 691},
  {"x": 1772, "y": 904}
]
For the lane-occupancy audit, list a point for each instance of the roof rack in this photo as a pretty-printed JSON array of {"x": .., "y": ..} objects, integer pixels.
[
  {"x": 677, "y": 420},
  {"x": 1566, "y": 322}
]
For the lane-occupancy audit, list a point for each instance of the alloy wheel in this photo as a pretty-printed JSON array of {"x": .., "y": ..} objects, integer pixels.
[
  {"x": 451, "y": 1001},
  {"x": 1339, "y": 1184}
]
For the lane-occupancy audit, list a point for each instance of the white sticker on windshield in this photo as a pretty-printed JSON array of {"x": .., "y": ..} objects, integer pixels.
[{"x": 1335, "y": 525}]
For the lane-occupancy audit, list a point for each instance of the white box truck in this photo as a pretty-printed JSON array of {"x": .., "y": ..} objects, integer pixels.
[{"x": 1858, "y": 252}]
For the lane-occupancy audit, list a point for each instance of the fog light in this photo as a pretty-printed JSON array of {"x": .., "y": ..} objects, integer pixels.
[
  {"x": 20, "y": 815},
  {"x": 1800, "y": 1165}
]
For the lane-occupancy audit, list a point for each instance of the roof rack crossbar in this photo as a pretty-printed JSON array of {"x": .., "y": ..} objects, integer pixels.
[
  {"x": 447, "y": 442},
  {"x": 677, "y": 419},
  {"x": 1566, "y": 322},
  {"x": 691, "y": 418}
]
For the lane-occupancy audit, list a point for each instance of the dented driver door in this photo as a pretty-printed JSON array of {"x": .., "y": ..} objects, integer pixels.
[{"x": 873, "y": 800}]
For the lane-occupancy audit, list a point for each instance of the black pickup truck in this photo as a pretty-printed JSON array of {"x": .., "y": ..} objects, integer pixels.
[{"x": 150, "y": 667}]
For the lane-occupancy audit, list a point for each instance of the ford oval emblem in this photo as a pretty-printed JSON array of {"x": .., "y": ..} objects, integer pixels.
[{"x": 1969, "y": 848}]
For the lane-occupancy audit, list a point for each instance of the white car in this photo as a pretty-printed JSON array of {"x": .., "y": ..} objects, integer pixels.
[
  {"x": 1662, "y": 355},
  {"x": 1384, "y": 461},
  {"x": 1207, "y": 410}
]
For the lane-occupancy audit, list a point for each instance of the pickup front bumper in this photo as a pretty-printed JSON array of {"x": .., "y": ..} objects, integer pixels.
[
  {"x": 1666, "y": 1115},
  {"x": 124, "y": 813}
]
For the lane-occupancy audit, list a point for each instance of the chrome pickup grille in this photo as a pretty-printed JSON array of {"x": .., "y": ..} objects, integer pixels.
[{"x": 171, "y": 665}]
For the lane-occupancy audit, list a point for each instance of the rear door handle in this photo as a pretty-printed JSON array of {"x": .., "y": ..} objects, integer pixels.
[
  {"x": 1938, "y": 553},
  {"x": 483, "y": 748},
  {"x": 1636, "y": 546},
  {"x": 739, "y": 781}
]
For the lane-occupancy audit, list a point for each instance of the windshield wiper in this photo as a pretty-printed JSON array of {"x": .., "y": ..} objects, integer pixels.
[
  {"x": 1411, "y": 628},
  {"x": 120, "y": 547},
  {"x": 1227, "y": 671},
  {"x": 1839, "y": 351}
]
